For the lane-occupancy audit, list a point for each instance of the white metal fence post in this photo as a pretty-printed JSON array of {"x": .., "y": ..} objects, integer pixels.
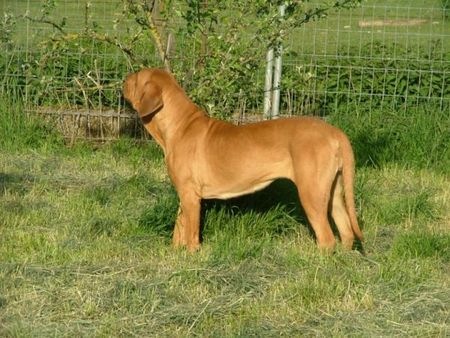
[
  {"x": 273, "y": 80},
  {"x": 268, "y": 84},
  {"x": 277, "y": 76}
]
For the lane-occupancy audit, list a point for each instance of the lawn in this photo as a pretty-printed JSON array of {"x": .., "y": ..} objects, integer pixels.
[{"x": 85, "y": 250}]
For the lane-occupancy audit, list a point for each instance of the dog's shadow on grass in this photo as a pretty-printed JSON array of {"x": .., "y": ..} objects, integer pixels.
[{"x": 282, "y": 193}]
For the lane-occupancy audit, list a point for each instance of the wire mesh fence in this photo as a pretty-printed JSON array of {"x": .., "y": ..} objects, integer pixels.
[
  {"x": 67, "y": 60},
  {"x": 378, "y": 54}
]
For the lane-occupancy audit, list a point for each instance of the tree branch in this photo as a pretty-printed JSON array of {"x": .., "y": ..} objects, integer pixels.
[
  {"x": 45, "y": 21},
  {"x": 149, "y": 22}
]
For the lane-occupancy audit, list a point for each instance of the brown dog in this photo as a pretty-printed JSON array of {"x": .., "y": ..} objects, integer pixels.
[{"x": 208, "y": 158}]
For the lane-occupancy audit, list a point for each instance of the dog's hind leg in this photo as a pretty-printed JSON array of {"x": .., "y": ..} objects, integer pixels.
[
  {"x": 314, "y": 196},
  {"x": 340, "y": 215}
]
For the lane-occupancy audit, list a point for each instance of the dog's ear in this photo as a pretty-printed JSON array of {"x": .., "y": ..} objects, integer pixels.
[{"x": 151, "y": 99}]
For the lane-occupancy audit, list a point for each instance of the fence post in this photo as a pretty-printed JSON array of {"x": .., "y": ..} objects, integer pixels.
[
  {"x": 273, "y": 80},
  {"x": 268, "y": 84},
  {"x": 277, "y": 75}
]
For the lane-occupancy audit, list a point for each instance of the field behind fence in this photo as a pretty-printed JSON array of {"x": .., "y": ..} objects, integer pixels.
[{"x": 67, "y": 60}]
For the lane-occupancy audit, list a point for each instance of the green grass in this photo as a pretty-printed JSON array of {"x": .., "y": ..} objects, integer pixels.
[
  {"x": 85, "y": 249},
  {"x": 417, "y": 137}
]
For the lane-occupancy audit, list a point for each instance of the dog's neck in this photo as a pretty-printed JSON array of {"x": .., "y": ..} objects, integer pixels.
[{"x": 174, "y": 119}]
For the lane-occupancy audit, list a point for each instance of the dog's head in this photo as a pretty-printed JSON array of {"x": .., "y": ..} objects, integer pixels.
[{"x": 143, "y": 91}]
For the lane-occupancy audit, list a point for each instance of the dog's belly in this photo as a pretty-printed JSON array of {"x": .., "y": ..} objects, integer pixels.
[
  {"x": 234, "y": 191},
  {"x": 246, "y": 178}
]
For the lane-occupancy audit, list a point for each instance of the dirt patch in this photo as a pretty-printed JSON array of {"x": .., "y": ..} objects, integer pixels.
[{"x": 392, "y": 23}]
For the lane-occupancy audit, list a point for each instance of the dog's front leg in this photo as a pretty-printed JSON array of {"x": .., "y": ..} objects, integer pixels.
[{"x": 187, "y": 226}]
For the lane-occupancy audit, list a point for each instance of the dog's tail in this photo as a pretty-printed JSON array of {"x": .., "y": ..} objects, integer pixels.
[{"x": 348, "y": 173}]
